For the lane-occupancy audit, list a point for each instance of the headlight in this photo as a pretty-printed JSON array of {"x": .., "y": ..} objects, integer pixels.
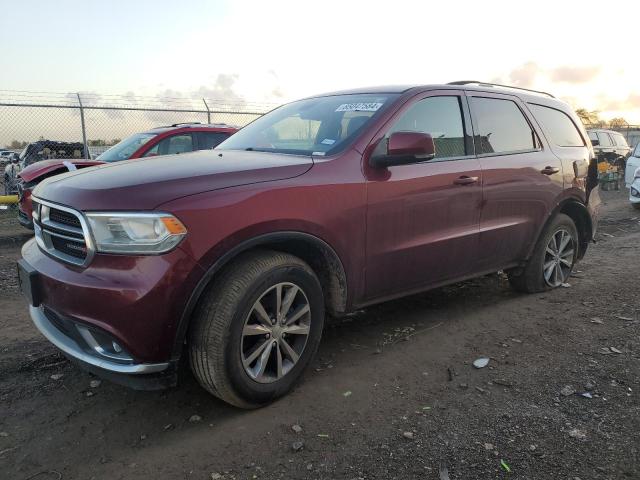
[
  {"x": 139, "y": 233},
  {"x": 634, "y": 192}
]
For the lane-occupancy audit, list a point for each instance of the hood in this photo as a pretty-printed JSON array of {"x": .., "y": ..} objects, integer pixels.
[
  {"x": 43, "y": 167},
  {"x": 143, "y": 184}
]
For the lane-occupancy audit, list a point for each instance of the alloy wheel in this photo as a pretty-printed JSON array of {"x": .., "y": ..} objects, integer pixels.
[
  {"x": 275, "y": 332},
  {"x": 558, "y": 258}
]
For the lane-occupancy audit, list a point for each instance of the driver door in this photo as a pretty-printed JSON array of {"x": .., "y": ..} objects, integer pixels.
[{"x": 423, "y": 218}]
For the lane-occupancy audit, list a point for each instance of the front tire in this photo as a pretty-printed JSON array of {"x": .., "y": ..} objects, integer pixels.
[
  {"x": 257, "y": 328},
  {"x": 553, "y": 258},
  {"x": 636, "y": 206}
]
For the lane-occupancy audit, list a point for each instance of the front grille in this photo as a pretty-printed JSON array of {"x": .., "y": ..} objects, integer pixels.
[
  {"x": 61, "y": 232},
  {"x": 65, "y": 218}
]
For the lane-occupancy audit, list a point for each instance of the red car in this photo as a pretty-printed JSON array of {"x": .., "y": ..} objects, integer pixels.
[
  {"x": 174, "y": 139},
  {"x": 231, "y": 257}
]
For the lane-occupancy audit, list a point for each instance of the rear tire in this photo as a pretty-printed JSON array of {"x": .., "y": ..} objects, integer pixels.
[
  {"x": 553, "y": 258},
  {"x": 257, "y": 328}
]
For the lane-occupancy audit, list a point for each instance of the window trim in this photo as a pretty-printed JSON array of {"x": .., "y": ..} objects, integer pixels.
[
  {"x": 494, "y": 96},
  {"x": 584, "y": 143}
]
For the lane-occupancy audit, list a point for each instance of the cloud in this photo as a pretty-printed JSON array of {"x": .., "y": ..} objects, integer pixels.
[
  {"x": 574, "y": 74},
  {"x": 222, "y": 90},
  {"x": 609, "y": 104},
  {"x": 524, "y": 75}
]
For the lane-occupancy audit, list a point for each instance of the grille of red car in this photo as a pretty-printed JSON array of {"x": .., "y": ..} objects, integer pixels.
[{"x": 60, "y": 232}]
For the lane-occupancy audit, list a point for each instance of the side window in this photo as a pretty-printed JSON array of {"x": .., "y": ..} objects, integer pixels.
[
  {"x": 557, "y": 124},
  {"x": 209, "y": 140},
  {"x": 502, "y": 128},
  {"x": 441, "y": 117},
  {"x": 593, "y": 136},
  {"x": 172, "y": 145},
  {"x": 620, "y": 141},
  {"x": 605, "y": 140}
]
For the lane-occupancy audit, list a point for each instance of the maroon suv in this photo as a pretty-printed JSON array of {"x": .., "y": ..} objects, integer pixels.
[{"x": 331, "y": 203}]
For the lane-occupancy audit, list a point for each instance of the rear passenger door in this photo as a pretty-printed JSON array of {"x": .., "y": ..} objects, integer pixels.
[{"x": 522, "y": 178}]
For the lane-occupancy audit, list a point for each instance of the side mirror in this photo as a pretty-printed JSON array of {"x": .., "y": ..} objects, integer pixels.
[
  {"x": 403, "y": 148},
  {"x": 595, "y": 143}
]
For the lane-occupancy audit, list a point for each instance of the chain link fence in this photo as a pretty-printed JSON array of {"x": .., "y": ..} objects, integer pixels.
[{"x": 100, "y": 121}]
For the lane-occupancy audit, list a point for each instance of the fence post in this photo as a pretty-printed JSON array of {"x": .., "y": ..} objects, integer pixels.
[
  {"x": 84, "y": 130},
  {"x": 208, "y": 111}
]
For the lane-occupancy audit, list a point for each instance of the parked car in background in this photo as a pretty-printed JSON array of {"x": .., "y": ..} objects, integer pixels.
[
  {"x": 611, "y": 150},
  {"x": 173, "y": 139},
  {"x": 633, "y": 163},
  {"x": 632, "y": 177},
  {"x": 634, "y": 190},
  {"x": 11, "y": 170},
  {"x": 231, "y": 257},
  {"x": 50, "y": 149}
]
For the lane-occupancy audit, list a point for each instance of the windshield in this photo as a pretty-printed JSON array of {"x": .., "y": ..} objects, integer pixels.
[
  {"x": 315, "y": 126},
  {"x": 124, "y": 149}
]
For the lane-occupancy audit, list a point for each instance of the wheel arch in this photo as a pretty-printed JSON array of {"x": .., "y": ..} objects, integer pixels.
[
  {"x": 317, "y": 253},
  {"x": 578, "y": 212}
]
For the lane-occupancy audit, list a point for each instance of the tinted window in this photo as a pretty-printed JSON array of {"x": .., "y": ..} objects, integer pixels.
[
  {"x": 209, "y": 140},
  {"x": 558, "y": 126},
  {"x": 501, "y": 126},
  {"x": 441, "y": 117},
  {"x": 636, "y": 152},
  {"x": 605, "y": 140},
  {"x": 172, "y": 145},
  {"x": 593, "y": 136}
]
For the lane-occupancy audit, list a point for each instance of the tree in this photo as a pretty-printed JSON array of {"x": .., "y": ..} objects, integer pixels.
[
  {"x": 17, "y": 145},
  {"x": 590, "y": 118},
  {"x": 618, "y": 122}
]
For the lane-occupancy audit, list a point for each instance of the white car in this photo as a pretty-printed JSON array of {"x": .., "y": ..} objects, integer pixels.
[
  {"x": 634, "y": 190},
  {"x": 632, "y": 177}
]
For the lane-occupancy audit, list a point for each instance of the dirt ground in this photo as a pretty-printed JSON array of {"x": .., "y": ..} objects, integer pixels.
[{"x": 392, "y": 393}]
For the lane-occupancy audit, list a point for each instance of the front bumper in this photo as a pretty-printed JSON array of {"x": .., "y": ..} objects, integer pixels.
[
  {"x": 88, "y": 352},
  {"x": 135, "y": 302}
]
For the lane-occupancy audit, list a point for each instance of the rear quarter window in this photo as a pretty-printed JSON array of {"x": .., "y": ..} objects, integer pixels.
[
  {"x": 619, "y": 139},
  {"x": 557, "y": 125},
  {"x": 605, "y": 139}
]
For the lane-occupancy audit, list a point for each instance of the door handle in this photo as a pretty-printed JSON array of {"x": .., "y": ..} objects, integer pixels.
[
  {"x": 464, "y": 180},
  {"x": 549, "y": 170}
]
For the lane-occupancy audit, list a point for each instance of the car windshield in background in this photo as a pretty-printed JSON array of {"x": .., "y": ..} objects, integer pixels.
[
  {"x": 124, "y": 149},
  {"x": 315, "y": 126}
]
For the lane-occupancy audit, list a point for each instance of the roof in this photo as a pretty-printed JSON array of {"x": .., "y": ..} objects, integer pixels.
[
  {"x": 602, "y": 130},
  {"x": 527, "y": 95}
]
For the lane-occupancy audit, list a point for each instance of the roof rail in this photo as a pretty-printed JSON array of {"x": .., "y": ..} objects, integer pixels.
[
  {"x": 488, "y": 84},
  {"x": 185, "y": 123}
]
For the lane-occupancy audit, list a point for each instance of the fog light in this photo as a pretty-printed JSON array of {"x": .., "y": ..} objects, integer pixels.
[{"x": 116, "y": 347}]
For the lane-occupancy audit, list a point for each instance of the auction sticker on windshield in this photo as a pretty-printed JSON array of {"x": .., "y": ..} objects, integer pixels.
[{"x": 359, "y": 107}]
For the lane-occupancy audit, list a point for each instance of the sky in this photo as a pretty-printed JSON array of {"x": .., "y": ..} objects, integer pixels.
[{"x": 277, "y": 51}]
